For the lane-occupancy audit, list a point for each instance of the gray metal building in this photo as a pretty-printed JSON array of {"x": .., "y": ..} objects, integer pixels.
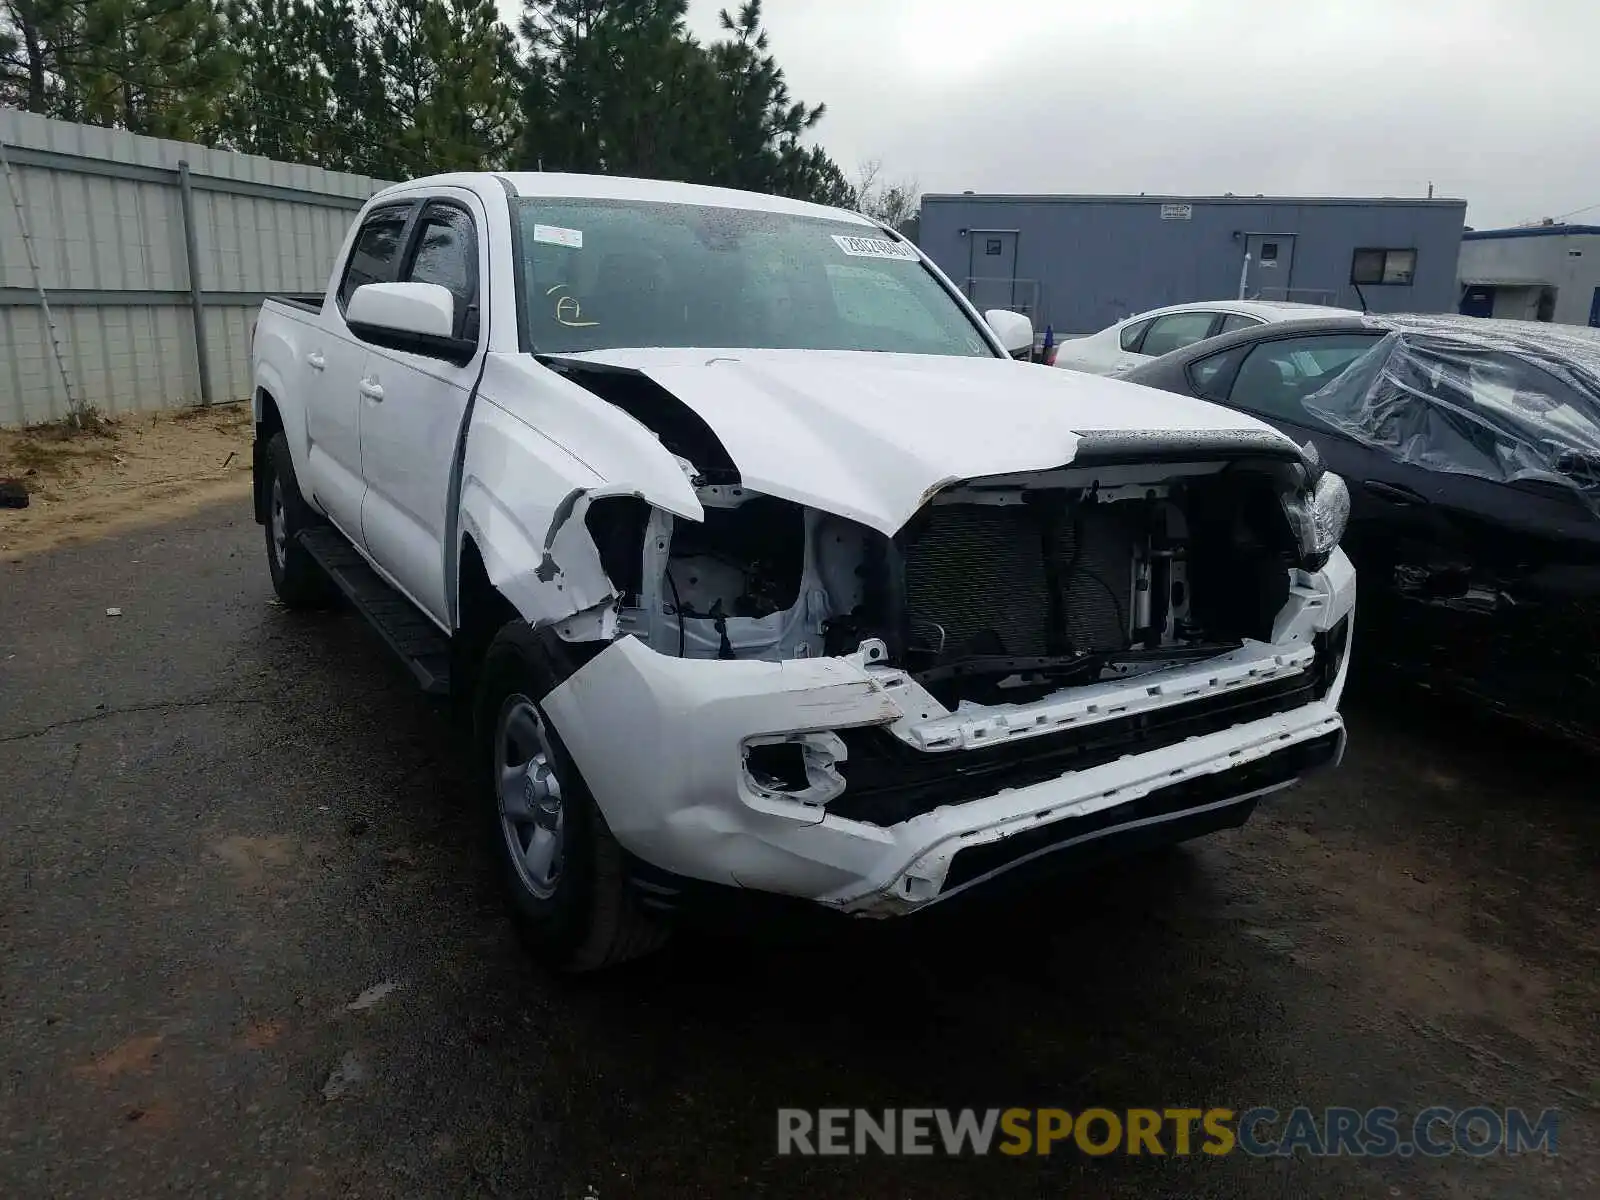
[
  {"x": 1535, "y": 273},
  {"x": 1080, "y": 263}
]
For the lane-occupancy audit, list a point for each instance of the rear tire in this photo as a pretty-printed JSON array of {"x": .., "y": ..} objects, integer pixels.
[
  {"x": 296, "y": 577},
  {"x": 561, "y": 868}
]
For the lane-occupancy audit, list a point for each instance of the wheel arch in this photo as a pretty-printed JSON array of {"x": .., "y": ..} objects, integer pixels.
[{"x": 268, "y": 423}]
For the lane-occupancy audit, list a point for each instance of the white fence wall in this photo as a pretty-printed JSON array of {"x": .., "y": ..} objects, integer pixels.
[{"x": 104, "y": 211}]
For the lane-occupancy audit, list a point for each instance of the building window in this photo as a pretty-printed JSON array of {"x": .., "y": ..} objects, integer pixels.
[
  {"x": 1269, "y": 252},
  {"x": 992, "y": 246},
  {"x": 1371, "y": 265}
]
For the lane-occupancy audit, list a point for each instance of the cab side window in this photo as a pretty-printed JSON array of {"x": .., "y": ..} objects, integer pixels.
[
  {"x": 376, "y": 253},
  {"x": 446, "y": 253}
]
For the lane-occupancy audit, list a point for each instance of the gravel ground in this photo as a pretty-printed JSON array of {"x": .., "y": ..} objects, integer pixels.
[{"x": 249, "y": 945}]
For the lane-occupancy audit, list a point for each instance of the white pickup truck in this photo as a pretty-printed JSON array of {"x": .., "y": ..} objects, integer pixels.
[{"x": 758, "y": 562}]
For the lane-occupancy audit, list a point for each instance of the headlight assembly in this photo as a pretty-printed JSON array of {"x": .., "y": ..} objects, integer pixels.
[{"x": 1319, "y": 516}]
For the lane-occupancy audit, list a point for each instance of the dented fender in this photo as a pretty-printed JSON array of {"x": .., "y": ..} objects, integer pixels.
[{"x": 523, "y": 502}]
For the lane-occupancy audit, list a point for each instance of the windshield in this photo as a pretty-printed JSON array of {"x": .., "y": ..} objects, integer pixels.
[{"x": 604, "y": 274}]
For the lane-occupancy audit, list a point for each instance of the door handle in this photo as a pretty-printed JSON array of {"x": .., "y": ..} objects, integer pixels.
[
  {"x": 1394, "y": 492},
  {"x": 370, "y": 389},
  {"x": 316, "y": 361}
]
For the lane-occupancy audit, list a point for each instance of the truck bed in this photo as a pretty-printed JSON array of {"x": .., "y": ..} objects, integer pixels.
[{"x": 306, "y": 301}]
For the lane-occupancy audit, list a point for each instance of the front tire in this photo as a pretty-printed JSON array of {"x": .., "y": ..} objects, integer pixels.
[
  {"x": 296, "y": 578},
  {"x": 561, "y": 868}
]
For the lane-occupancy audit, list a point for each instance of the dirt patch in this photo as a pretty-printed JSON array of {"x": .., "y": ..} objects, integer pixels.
[
  {"x": 256, "y": 859},
  {"x": 135, "y": 470},
  {"x": 135, "y": 1054},
  {"x": 261, "y": 1035}
]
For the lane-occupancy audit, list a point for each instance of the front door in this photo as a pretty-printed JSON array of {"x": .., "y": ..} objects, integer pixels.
[
  {"x": 1271, "y": 265},
  {"x": 412, "y": 407},
  {"x": 1479, "y": 302},
  {"x": 992, "y": 269}
]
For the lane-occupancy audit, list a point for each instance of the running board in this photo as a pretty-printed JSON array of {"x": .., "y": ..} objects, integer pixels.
[{"x": 409, "y": 634}]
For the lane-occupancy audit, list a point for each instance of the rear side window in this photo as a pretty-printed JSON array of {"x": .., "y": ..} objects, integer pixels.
[
  {"x": 1131, "y": 335},
  {"x": 1277, "y": 376},
  {"x": 1175, "y": 331},
  {"x": 376, "y": 253},
  {"x": 447, "y": 254},
  {"x": 1210, "y": 376},
  {"x": 1236, "y": 321}
]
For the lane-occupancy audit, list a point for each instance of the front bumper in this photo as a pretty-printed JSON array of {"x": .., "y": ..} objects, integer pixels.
[{"x": 660, "y": 742}]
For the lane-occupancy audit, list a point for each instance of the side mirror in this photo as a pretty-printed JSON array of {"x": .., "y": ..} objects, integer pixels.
[
  {"x": 1014, "y": 330},
  {"x": 415, "y": 317}
]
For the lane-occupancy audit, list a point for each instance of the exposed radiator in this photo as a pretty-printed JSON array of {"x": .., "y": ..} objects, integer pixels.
[{"x": 977, "y": 579}]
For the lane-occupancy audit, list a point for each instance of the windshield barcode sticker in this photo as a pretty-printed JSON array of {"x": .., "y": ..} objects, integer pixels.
[
  {"x": 554, "y": 235},
  {"x": 861, "y": 247}
]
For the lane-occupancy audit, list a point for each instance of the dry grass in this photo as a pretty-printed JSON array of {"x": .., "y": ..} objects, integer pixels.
[{"x": 128, "y": 471}]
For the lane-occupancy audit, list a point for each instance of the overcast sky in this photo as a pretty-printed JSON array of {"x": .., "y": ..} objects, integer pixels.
[{"x": 1495, "y": 101}]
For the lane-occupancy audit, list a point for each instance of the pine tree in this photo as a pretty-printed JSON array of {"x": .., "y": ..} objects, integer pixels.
[
  {"x": 620, "y": 87},
  {"x": 614, "y": 86},
  {"x": 764, "y": 126},
  {"x": 356, "y": 114},
  {"x": 448, "y": 69},
  {"x": 398, "y": 88},
  {"x": 152, "y": 66},
  {"x": 279, "y": 102}
]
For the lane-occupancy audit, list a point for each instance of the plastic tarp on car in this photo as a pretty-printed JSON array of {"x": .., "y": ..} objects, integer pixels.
[{"x": 1505, "y": 400}]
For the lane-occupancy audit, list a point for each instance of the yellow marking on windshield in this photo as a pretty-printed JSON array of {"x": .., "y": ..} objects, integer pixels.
[{"x": 568, "y": 310}]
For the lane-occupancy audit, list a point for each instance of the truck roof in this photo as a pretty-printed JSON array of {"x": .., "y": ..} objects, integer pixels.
[{"x": 559, "y": 185}]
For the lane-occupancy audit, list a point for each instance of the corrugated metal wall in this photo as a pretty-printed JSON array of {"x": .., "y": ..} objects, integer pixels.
[{"x": 105, "y": 218}]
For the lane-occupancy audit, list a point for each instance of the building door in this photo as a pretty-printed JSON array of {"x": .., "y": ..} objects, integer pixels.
[
  {"x": 1271, "y": 266},
  {"x": 1594, "y": 309},
  {"x": 992, "y": 269},
  {"x": 1478, "y": 302}
]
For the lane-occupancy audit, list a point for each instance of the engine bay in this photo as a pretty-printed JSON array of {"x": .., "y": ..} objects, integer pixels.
[{"x": 999, "y": 590}]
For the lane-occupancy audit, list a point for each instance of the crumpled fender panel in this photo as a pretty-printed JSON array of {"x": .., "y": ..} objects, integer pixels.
[
  {"x": 616, "y": 449},
  {"x": 523, "y": 500}
]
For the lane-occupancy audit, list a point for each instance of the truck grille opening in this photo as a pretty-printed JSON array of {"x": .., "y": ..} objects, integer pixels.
[
  {"x": 1020, "y": 580},
  {"x": 1010, "y": 589}
]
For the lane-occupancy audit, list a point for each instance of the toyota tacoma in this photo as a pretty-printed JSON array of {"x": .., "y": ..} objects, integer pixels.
[{"x": 757, "y": 562}]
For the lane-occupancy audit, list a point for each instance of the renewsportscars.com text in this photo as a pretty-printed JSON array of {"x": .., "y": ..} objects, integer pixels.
[{"x": 1263, "y": 1132}]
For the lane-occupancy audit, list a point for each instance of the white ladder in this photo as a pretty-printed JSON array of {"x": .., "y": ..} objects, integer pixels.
[{"x": 77, "y": 413}]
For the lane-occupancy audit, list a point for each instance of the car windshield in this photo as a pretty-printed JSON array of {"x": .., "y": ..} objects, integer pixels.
[{"x": 606, "y": 274}]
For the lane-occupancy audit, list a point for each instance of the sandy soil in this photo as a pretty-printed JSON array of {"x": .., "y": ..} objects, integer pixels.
[{"x": 142, "y": 469}]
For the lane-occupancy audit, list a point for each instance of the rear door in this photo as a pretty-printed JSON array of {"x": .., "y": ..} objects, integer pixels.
[
  {"x": 1510, "y": 588},
  {"x": 412, "y": 407},
  {"x": 1139, "y": 343},
  {"x": 1271, "y": 379},
  {"x": 334, "y": 359},
  {"x": 1270, "y": 267},
  {"x": 1462, "y": 576},
  {"x": 992, "y": 269}
]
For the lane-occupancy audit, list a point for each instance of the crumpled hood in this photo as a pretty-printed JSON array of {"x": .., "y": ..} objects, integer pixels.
[{"x": 869, "y": 436}]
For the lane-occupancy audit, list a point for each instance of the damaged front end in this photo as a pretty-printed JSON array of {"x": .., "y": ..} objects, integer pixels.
[{"x": 801, "y": 703}]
